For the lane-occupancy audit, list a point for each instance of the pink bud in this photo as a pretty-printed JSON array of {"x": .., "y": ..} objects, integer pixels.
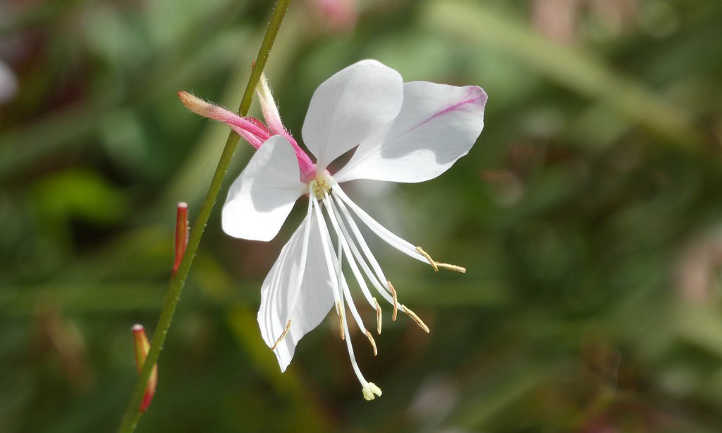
[
  {"x": 142, "y": 347},
  {"x": 181, "y": 234}
]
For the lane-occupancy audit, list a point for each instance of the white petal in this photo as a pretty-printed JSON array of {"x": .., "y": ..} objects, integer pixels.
[
  {"x": 283, "y": 299},
  {"x": 261, "y": 198},
  {"x": 437, "y": 125},
  {"x": 353, "y": 104}
]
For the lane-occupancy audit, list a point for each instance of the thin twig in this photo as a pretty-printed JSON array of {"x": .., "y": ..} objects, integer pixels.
[{"x": 132, "y": 414}]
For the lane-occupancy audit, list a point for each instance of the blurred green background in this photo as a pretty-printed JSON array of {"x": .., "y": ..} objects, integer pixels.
[{"x": 588, "y": 214}]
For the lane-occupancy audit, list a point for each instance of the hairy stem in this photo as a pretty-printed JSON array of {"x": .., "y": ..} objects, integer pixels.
[{"x": 132, "y": 413}]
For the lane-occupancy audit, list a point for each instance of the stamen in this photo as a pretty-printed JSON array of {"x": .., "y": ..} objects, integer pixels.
[
  {"x": 372, "y": 341},
  {"x": 340, "y": 321},
  {"x": 367, "y": 252},
  {"x": 283, "y": 334},
  {"x": 327, "y": 252},
  {"x": 396, "y": 301},
  {"x": 387, "y": 236},
  {"x": 347, "y": 292},
  {"x": 450, "y": 267},
  {"x": 428, "y": 257},
  {"x": 341, "y": 236},
  {"x": 436, "y": 265},
  {"x": 379, "y": 317},
  {"x": 415, "y": 318}
]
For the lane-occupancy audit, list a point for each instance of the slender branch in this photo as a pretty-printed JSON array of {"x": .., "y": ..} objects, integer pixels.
[{"x": 132, "y": 413}]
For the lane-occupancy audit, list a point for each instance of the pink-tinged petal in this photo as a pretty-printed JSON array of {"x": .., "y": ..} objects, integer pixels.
[
  {"x": 250, "y": 130},
  {"x": 275, "y": 125},
  {"x": 290, "y": 307},
  {"x": 268, "y": 107},
  {"x": 437, "y": 125},
  {"x": 261, "y": 198},
  {"x": 351, "y": 106}
]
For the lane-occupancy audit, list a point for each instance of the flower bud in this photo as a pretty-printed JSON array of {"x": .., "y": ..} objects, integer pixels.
[
  {"x": 181, "y": 234},
  {"x": 142, "y": 347}
]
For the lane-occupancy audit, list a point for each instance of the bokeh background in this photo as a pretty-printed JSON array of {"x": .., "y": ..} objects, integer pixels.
[{"x": 588, "y": 214}]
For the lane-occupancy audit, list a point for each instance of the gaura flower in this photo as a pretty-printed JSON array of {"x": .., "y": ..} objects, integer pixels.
[{"x": 401, "y": 132}]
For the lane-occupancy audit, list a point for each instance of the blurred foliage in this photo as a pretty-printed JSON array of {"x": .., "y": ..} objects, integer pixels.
[{"x": 588, "y": 215}]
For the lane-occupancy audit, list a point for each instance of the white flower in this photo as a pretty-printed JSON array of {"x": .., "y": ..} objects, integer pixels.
[{"x": 402, "y": 132}]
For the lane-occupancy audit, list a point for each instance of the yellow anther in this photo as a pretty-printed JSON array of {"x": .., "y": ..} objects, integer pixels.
[
  {"x": 379, "y": 317},
  {"x": 415, "y": 318},
  {"x": 428, "y": 257},
  {"x": 396, "y": 301},
  {"x": 283, "y": 334},
  {"x": 450, "y": 267},
  {"x": 340, "y": 321},
  {"x": 372, "y": 341},
  {"x": 438, "y": 265}
]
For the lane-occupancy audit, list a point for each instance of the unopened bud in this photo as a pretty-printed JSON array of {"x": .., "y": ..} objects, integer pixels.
[
  {"x": 142, "y": 347},
  {"x": 181, "y": 234}
]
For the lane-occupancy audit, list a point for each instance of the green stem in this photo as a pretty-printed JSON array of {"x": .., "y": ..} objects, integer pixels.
[{"x": 132, "y": 413}]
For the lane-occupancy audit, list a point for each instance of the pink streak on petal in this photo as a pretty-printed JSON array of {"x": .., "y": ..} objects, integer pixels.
[{"x": 474, "y": 95}]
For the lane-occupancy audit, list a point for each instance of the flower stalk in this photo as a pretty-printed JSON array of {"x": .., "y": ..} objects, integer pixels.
[{"x": 132, "y": 413}]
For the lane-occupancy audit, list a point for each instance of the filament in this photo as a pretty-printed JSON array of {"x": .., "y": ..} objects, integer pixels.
[{"x": 327, "y": 252}]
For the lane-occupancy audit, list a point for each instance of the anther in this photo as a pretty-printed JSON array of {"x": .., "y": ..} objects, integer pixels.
[
  {"x": 438, "y": 265},
  {"x": 379, "y": 317},
  {"x": 450, "y": 267},
  {"x": 428, "y": 257},
  {"x": 396, "y": 301},
  {"x": 415, "y": 318},
  {"x": 340, "y": 321},
  {"x": 283, "y": 335},
  {"x": 372, "y": 341}
]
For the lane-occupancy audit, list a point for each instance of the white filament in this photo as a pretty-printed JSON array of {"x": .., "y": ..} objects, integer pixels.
[
  {"x": 327, "y": 253},
  {"x": 381, "y": 231}
]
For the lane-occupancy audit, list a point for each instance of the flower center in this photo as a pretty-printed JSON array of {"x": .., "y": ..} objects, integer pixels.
[{"x": 320, "y": 186}]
